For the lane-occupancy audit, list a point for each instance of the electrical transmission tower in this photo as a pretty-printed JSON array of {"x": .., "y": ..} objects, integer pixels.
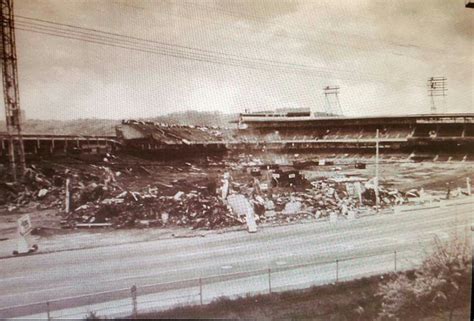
[
  {"x": 11, "y": 95},
  {"x": 333, "y": 106},
  {"x": 437, "y": 88}
]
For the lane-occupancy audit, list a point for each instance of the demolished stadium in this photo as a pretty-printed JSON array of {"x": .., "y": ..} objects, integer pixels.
[{"x": 429, "y": 136}]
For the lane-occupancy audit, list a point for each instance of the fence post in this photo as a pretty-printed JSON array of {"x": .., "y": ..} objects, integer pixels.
[
  {"x": 269, "y": 280},
  {"x": 337, "y": 270},
  {"x": 200, "y": 290},
  {"x": 133, "y": 291},
  {"x": 395, "y": 259},
  {"x": 48, "y": 311}
]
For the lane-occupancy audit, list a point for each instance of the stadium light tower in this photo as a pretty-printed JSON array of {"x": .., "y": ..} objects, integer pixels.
[
  {"x": 10, "y": 89},
  {"x": 437, "y": 88},
  {"x": 331, "y": 93}
]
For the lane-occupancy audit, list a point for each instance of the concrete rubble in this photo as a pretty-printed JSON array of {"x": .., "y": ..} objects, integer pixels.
[{"x": 242, "y": 191}]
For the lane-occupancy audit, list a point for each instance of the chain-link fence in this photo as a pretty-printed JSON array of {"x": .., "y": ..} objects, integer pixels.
[
  {"x": 279, "y": 276},
  {"x": 283, "y": 277}
]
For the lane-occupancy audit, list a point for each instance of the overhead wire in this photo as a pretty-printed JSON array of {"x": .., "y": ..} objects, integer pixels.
[
  {"x": 178, "y": 51},
  {"x": 243, "y": 64},
  {"x": 265, "y": 21},
  {"x": 307, "y": 100},
  {"x": 192, "y": 49}
]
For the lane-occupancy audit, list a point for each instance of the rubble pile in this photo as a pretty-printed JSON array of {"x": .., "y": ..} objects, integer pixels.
[
  {"x": 38, "y": 186},
  {"x": 320, "y": 201},
  {"x": 45, "y": 186},
  {"x": 212, "y": 194},
  {"x": 283, "y": 194},
  {"x": 96, "y": 197},
  {"x": 150, "y": 208}
]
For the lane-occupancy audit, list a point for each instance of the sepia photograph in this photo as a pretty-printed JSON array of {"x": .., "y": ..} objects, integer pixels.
[{"x": 237, "y": 160}]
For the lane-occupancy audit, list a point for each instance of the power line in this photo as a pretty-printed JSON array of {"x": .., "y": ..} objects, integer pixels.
[
  {"x": 185, "y": 52},
  {"x": 264, "y": 21},
  {"x": 309, "y": 100},
  {"x": 183, "y": 47},
  {"x": 235, "y": 63},
  {"x": 33, "y": 27}
]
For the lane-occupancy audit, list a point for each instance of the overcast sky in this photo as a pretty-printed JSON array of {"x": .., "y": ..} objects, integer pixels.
[{"x": 380, "y": 53}]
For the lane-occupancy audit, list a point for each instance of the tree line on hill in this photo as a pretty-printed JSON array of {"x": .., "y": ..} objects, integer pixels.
[{"x": 106, "y": 127}]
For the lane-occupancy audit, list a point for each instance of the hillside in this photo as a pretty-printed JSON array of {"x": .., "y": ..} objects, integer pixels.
[{"x": 96, "y": 126}]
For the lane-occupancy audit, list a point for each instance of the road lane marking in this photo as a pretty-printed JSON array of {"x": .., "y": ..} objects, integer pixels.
[
  {"x": 411, "y": 232},
  {"x": 362, "y": 230},
  {"x": 13, "y": 278},
  {"x": 324, "y": 238},
  {"x": 116, "y": 290},
  {"x": 318, "y": 226},
  {"x": 38, "y": 291},
  {"x": 404, "y": 235}
]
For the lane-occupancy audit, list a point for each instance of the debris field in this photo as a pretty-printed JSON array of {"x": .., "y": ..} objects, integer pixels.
[{"x": 208, "y": 194}]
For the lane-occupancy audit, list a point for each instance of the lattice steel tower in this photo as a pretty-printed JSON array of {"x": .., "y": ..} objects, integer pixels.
[
  {"x": 333, "y": 106},
  {"x": 10, "y": 90},
  {"x": 437, "y": 88}
]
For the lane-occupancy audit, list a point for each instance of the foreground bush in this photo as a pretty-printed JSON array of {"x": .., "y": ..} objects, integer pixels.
[{"x": 442, "y": 284}]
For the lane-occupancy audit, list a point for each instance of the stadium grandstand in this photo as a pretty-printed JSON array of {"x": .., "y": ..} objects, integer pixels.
[{"x": 431, "y": 135}]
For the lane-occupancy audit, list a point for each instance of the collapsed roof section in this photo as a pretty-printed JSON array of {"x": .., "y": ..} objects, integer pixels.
[{"x": 167, "y": 134}]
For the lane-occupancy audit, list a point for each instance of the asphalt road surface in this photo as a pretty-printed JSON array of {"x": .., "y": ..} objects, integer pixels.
[{"x": 167, "y": 272}]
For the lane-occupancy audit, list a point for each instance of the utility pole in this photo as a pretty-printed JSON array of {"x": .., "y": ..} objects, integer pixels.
[
  {"x": 11, "y": 93},
  {"x": 377, "y": 196},
  {"x": 335, "y": 107},
  {"x": 437, "y": 88}
]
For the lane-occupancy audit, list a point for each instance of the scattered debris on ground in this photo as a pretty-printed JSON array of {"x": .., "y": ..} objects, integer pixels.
[{"x": 210, "y": 193}]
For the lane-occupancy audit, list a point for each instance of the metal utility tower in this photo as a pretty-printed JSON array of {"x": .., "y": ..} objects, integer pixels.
[
  {"x": 10, "y": 90},
  {"x": 333, "y": 107},
  {"x": 437, "y": 88}
]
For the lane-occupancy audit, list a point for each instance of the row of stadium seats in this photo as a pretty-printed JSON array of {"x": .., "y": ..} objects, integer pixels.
[
  {"x": 443, "y": 131},
  {"x": 393, "y": 132},
  {"x": 321, "y": 134}
]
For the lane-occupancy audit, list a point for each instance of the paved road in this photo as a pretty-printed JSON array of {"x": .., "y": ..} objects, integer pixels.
[{"x": 28, "y": 282}]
